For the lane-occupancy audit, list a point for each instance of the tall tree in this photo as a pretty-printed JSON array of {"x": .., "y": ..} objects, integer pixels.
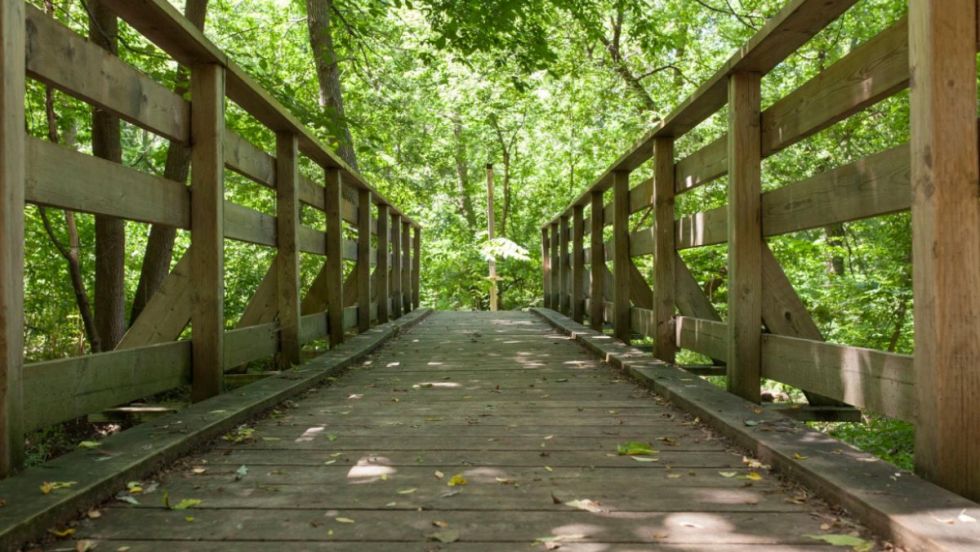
[{"x": 319, "y": 14}]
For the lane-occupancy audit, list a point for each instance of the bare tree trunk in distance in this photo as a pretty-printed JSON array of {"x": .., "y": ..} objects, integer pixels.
[
  {"x": 490, "y": 229},
  {"x": 462, "y": 174},
  {"x": 328, "y": 75},
  {"x": 160, "y": 245}
]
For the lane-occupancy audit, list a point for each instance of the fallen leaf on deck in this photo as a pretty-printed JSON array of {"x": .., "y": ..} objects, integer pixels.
[
  {"x": 446, "y": 536},
  {"x": 89, "y": 444},
  {"x": 965, "y": 518},
  {"x": 644, "y": 459},
  {"x": 329, "y": 462},
  {"x": 798, "y": 456},
  {"x": 94, "y": 514},
  {"x": 727, "y": 475},
  {"x": 48, "y": 486},
  {"x": 128, "y": 499},
  {"x": 343, "y": 520},
  {"x": 548, "y": 468},
  {"x": 198, "y": 470},
  {"x": 440, "y": 523},
  {"x": 554, "y": 542},
  {"x": 634, "y": 448},
  {"x": 187, "y": 503},
  {"x": 438, "y": 474},
  {"x": 85, "y": 545},
  {"x": 331, "y": 437},
  {"x": 407, "y": 491},
  {"x": 241, "y": 472},
  {"x": 751, "y": 423},
  {"x": 189, "y": 519},
  {"x": 753, "y": 476},
  {"x": 674, "y": 476},
  {"x": 504, "y": 481},
  {"x": 585, "y": 504},
  {"x": 457, "y": 480},
  {"x": 134, "y": 487},
  {"x": 856, "y": 544},
  {"x": 62, "y": 533}
]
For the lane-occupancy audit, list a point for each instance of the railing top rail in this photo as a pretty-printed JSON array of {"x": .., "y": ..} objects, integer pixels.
[
  {"x": 163, "y": 25},
  {"x": 782, "y": 35}
]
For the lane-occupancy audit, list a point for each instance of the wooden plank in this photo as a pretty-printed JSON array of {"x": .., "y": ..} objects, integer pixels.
[
  {"x": 640, "y": 293},
  {"x": 12, "y": 174},
  {"x": 598, "y": 263},
  {"x": 641, "y": 320},
  {"x": 578, "y": 265},
  {"x": 333, "y": 268},
  {"x": 406, "y": 267},
  {"x": 312, "y": 327},
  {"x": 642, "y": 242},
  {"x": 248, "y": 160},
  {"x": 782, "y": 310},
  {"x": 248, "y": 225},
  {"x": 64, "y": 389},
  {"x": 363, "y": 267},
  {"x": 244, "y": 345},
  {"x": 621, "y": 256},
  {"x": 564, "y": 268},
  {"x": 167, "y": 312},
  {"x": 546, "y": 266},
  {"x": 946, "y": 241},
  {"x": 312, "y": 240},
  {"x": 396, "y": 266},
  {"x": 703, "y": 166},
  {"x": 556, "y": 268},
  {"x": 61, "y": 58},
  {"x": 700, "y": 229},
  {"x": 384, "y": 282},
  {"x": 207, "y": 237},
  {"x": 287, "y": 255},
  {"x": 662, "y": 234},
  {"x": 874, "y": 380},
  {"x": 60, "y": 177},
  {"x": 744, "y": 236},
  {"x": 691, "y": 300},
  {"x": 708, "y": 337},
  {"x": 416, "y": 266},
  {"x": 263, "y": 306}
]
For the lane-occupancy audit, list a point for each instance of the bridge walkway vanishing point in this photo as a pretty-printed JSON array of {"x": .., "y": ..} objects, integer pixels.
[{"x": 489, "y": 431}]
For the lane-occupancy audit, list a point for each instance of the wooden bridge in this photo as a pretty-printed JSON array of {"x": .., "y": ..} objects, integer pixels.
[{"x": 478, "y": 431}]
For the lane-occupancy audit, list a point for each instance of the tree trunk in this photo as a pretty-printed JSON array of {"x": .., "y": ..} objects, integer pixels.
[
  {"x": 160, "y": 246},
  {"x": 835, "y": 239},
  {"x": 328, "y": 76},
  {"x": 465, "y": 202},
  {"x": 110, "y": 232}
]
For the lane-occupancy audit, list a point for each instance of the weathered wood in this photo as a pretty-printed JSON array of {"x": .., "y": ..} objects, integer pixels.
[
  {"x": 168, "y": 311},
  {"x": 406, "y": 288},
  {"x": 702, "y": 166},
  {"x": 662, "y": 234},
  {"x": 416, "y": 266},
  {"x": 363, "y": 266},
  {"x": 312, "y": 327},
  {"x": 263, "y": 306},
  {"x": 700, "y": 229},
  {"x": 691, "y": 300},
  {"x": 249, "y": 161},
  {"x": 60, "y": 57},
  {"x": 244, "y": 345},
  {"x": 555, "y": 267},
  {"x": 598, "y": 264},
  {"x": 396, "y": 266},
  {"x": 782, "y": 310},
  {"x": 287, "y": 256},
  {"x": 207, "y": 236},
  {"x": 65, "y": 389},
  {"x": 564, "y": 270},
  {"x": 333, "y": 267},
  {"x": 382, "y": 270},
  {"x": 640, "y": 293},
  {"x": 12, "y": 173},
  {"x": 248, "y": 225},
  {"x": 708, "y": 337},
  {"x": 621, "y": 256},
  {"x": 578, "y": 265},
  {"x": 546, "y": 266},
  {"x": 744, "y": 236},
  {"x": 946, "y": 241},
  {"x": 874, "y": 380}
]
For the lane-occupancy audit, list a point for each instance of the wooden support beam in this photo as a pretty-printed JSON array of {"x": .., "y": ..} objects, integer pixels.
[
  {"x": 12, "y": 172},
  {"x": 334, "y": 267},
  {"x": 597, "y": 290},
  {"x": 664, "y": 248},
  {"x": 416, "y": 266},
  {"x": 396, "y": 266},
  {"x": 564, "y": 270},
  {"x": 384, "y": 256},
  {"x": 406, "y": 266},
  {"x": 555, "y": 268},
  {"x": 546, "y": 266},
  {"x": 207, "y": 224},
  {"x": 287, "y": 257},
  {"x": 621, "y": 256},
  {"x": 744, "y": 236},
  {"x": 946, "y": 241},
  {"x": 363, "y": 268},
  {"x": 578, "y": 264}
]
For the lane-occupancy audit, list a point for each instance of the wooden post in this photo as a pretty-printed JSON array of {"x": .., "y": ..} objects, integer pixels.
[
  {"x": 335, "y": 261},
  {"x": 490, "y": 236},
  {"x": 12, "y": 174},
  {"x": 597, "y": 300},
  {"x": 946, "y": 242},
  {"x": 744, "y": 236},
  {"x": 207, "y": 229},
  {"x": 555, "y": 268},
  {"x": 416, "y": 266},
  {"x": 384, "y": 287},
  {"x": 578, "y": 264},
  {"x": 287, "y": 260},
  {"x": 546, "y": 267},
  {"x": 621, "y": 255},
  {"x": 664, "y": 346},
  {"x": 364, "y": 259},
  {"x": 396, "y": 266},
  {"x": 406, "y": 266},
  {"x": 565, "y": 271}
]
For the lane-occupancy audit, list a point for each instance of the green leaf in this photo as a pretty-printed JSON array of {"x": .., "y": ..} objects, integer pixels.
[
  {"x": 635, "y": 448},
  {"x": 187, "y": 503},
  {"x": 855, "y": 543}
]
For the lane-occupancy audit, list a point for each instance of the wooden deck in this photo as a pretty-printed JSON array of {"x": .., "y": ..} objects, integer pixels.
[{"x": 528, "y": 418}]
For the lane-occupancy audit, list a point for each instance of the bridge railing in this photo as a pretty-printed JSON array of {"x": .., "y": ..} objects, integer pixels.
[
  {"x": 280, "y": 317},
  {"x": 768, "y": 332}
]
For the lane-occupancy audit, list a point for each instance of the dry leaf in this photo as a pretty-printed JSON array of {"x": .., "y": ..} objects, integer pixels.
[
  {"x": 343, "y": 520},
  {"x": 585, "y": 504},
  {"x": 798, "y": 456},
  {"x": 407, "y": 491},
  {"x": 727, "y": 474},
  {"x": 85, "y": 545},
  {"x": 48, "y": 486},
  {"x": 446, "y": 536},
  {"x": 62, "y": 533},
  {"x": 439, "y": 474},
  {"x": 457, "y": 480},
  {"x": 440, "y": 524}
]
